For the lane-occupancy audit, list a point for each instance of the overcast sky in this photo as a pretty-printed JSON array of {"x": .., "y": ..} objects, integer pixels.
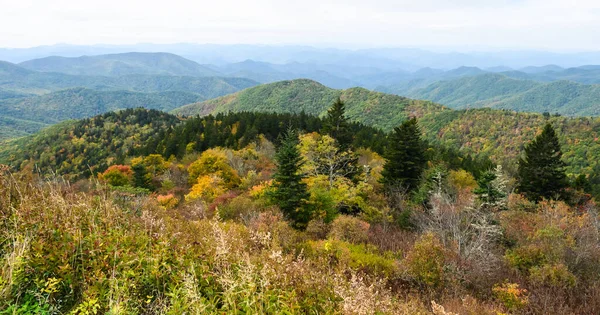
[{"x": 560, "y": 25}]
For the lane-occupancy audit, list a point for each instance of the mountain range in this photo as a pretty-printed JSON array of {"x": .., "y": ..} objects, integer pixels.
[
  {"x": 390, "y": 59},
  {"x": 121, "y": 64}
]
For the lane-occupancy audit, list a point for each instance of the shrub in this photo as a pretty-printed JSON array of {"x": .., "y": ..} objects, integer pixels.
[
  {"x": 239, "y": 208},
  {"x": 511, "y": 296},
  {"x": 117, "y": 175},
  {"x": 167, "y": 201},
  {"x": 425, "y": 262},
  {"x": 349, "y": 229},
  {"x": 359, "y": 257},
  {"x": 213, "y": 162},
  {"x": 207, "y": 187},
  {"x": 317, "y": 229},
  {"x": 462, "y": 179},
  {"x": 557, "y": 275}
]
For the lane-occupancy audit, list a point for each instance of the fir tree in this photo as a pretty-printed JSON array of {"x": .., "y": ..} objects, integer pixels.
[
  {"x": 140, "y": 176},
  {"x": 492, "y": 189},
  {"x": 289, "y": 192},
  {"x": 541, "y": 171},
  {"x": 405, "y": 157},
  {"x": 337, "y": 126}
]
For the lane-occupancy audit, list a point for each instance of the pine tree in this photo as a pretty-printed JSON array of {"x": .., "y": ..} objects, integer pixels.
[
  {"x": 405, "y": 157},
  {"x": 337, "y": 126},
  {"x": 541, "y": 171},
  {"x": 289, "y": 192}
]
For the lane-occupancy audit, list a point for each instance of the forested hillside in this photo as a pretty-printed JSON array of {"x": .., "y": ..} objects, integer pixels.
[
  {"x": 297, "y": 213},
  {"x": 371, "y": 108},
  {"x": 500, "y": 91},
  {"x": 30, "y": 100},
  {"x": 80, "y": 147},
  {"x": 81, "y": 103}
]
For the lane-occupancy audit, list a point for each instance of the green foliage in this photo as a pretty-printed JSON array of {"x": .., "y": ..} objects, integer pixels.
[
  {"x": 541, "y": 170},
  {"x": 77, "y": 149},
  {"x": 141, "y": 177},
  {"x": 80, "y": 103},
  {"x": 289, "y": 191},
  {"x": 213, "y": 162},
  {"x": 553, "y": 275},
  {"x": 379, "y": 110},
  {"x": 426, "y": 260},
  {"x": 359, "y": 257},
  {"x": 491, "y": 190},
  {"x": 117, "y": 175},
  {"x": 405, "y": 157},
  {"x": 503, "y": 92},
  {"x": 337, "y": 126}
]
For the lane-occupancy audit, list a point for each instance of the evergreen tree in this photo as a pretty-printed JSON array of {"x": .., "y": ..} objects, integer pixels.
[
  {"x": 541, "y": 171},
  {"x": 492, "y": 189},
  {"x": 140, "y": 176},
  {"x": 289, "y": 192},
  {"x": 405, "y": 157},
  {"x": 337, "y": 126}
]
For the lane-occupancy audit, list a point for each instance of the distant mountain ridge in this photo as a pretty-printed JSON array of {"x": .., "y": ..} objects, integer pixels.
[
  {"x": 17, "y": 79},
  {"x": 121, "y": 64},
  {"x": 29, "y": 100},
  {"x": 503, "y": 92}
]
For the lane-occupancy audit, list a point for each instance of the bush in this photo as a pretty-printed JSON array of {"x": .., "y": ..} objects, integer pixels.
[
  {"x": 511, "y": 296},
  {"x": 553, "y": 275},
  {"x": 117, "y": 175},
  {"x": 425, "y": 262},
  {"x": 167, "y": 201},
  {"x": 240, "y": 209},
  {"x": 359, "y": 257},
  {"x": 317, "y": 229},
  {"x": 213, "y": 162},
  {"x": 349, "y": 229}
]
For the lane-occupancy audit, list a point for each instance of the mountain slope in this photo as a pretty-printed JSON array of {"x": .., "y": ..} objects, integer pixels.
[
  {"x": 376, "y": 109},
  {"x": 80, "y": 147},
  {"x": 502, "y": 135},
  {"x": 499, "y": 91},
  {"x": 121, "y": 64},
  {"x": 80, "y": 103},
  {"x": 498, "y": 134},
  {"x": 15, "y": 79}
]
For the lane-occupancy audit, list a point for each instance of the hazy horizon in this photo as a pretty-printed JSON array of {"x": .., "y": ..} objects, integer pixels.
[{"x": 463, "y": 26}]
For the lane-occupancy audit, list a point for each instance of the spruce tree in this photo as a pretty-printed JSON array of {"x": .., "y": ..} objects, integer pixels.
[
  {"x": 140, "y": 176},
  {"x": 289, "y": 192},
  {"x": 405, "y": 157},
  {"x": 541, "y": 171},
  {"x": 337, "y": 126},
  {"x": 491, "y": 192}
]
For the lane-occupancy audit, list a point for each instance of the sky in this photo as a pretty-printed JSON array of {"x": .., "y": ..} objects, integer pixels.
[{"x": 557, "y": 25}]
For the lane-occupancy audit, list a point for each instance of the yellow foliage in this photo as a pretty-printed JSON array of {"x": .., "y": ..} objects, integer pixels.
[
  {"x": 258, "y": 191},
  {"x": 214, "y": 162},
  {"x": 461, "y": 180},
  {"x": 208, "y": 187},
  {"x": 511, "y": 295},
  {"x": 167, "y": 201}
]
